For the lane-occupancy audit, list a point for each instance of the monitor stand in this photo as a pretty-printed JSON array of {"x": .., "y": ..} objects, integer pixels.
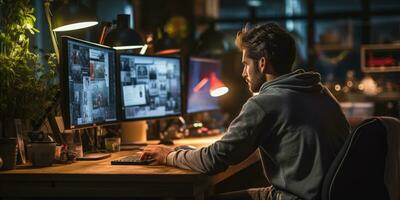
[{"x": 133, "y": 135}]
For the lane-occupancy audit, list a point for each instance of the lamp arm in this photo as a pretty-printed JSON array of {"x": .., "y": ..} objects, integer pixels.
[
  {"x": 104, "y": 31},
  {"x": 53, "y": 36},
  {"x": 200, "y": 85}
]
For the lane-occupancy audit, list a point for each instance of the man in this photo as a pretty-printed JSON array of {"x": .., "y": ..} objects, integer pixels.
[{"x": 294, "y": 120}]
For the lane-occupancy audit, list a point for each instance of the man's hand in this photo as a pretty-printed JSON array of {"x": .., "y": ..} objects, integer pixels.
[{"x": 158, "y": 153}]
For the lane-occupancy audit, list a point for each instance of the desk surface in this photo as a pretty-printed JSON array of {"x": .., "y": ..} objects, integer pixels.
[{"x": 101, "y": 179}]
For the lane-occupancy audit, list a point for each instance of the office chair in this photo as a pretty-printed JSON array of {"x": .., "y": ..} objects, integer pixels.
[{"x": 358, "y": 170}]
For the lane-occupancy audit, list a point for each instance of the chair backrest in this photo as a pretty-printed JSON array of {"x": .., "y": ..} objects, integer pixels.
[{"x": 358, "y": 170}]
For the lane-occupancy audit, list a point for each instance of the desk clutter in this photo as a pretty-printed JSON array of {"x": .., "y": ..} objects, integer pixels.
[{"x": 41, "y": 149}]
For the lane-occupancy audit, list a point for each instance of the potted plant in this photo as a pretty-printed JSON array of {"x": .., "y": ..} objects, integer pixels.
[{"x": 27, "y": 87}]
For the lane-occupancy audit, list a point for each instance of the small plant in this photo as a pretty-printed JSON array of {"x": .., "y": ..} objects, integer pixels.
[{"x": 27, "y": 88}]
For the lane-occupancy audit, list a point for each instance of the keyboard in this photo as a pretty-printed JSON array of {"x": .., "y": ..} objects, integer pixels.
[{"x": 131, "y": 160}]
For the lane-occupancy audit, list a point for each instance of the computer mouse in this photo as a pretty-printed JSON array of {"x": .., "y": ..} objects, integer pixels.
[{"x": 185, "y": 147}]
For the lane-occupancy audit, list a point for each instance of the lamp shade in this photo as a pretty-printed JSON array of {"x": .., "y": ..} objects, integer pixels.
[
  {"x": 73, "y": 15},
  {"x": 217, "y": 88},
  {"x": 122, "y": 37},
  {"x": 211, "y": 42}
]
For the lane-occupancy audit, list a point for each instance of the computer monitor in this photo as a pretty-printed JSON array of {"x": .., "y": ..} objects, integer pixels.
[
  {"x": 199, "y": 76},
  {"x": 88, "y": 83},
  {"x": 150, "y": 86}
]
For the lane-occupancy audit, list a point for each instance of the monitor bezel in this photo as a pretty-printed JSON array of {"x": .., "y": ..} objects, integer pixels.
[
  {"x": 65, "y": 108},
  {"x": 119, "y": 89},
  {"x": 187, "y": 89}
]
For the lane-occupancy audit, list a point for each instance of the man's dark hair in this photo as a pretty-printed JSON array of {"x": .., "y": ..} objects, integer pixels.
[{"x": 272, "y": 42}]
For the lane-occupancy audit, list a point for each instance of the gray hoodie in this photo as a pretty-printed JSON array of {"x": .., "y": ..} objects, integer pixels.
[{"x": 295, "y": 122}]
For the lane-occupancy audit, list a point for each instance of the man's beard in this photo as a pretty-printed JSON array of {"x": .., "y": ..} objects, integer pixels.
[{"x": 256, "y": 82}]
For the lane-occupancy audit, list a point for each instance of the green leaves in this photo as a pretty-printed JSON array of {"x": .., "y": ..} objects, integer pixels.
[{"x": 27, "y": 87}]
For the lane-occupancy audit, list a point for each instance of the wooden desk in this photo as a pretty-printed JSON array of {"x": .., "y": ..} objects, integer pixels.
[{"x": 101, "y": 179}]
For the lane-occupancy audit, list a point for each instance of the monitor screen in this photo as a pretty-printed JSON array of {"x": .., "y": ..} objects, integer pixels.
[
  {"x": 150, "y": 86},
  {"x": 199, "y": 72},
  {"x": 89, "y": 83}
]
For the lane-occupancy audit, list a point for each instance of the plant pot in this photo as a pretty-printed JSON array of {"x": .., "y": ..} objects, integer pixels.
[
  {"x": 8, "y": 153},
  {"x": 42, "y": 154}
]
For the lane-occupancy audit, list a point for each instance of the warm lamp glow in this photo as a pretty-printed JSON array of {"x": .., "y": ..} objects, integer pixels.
[
  {"x": 128, "y": 47},
  {"x": 75, "y": 26},
  {"x": 168, "y": 51},
  {"x": 217, "y": 87},
  {"x": 219, "y": 91}
]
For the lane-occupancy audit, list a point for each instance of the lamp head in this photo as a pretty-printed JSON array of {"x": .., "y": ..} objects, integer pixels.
[
  {"x": 217, "y": 88},
  {"x": 122, "y": 37},
  {"x": 211, "y": 42},
  {"x": 73, "y": 15}
]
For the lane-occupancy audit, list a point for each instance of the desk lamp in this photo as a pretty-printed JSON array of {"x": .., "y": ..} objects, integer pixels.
[
  {"x": 71, "y": 15},
  {"x": 217, "y": 88},
  {"x": 211, "y": 42},
  {"x": 122, "y": 37}
]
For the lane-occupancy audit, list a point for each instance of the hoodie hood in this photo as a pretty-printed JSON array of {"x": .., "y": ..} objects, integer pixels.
[{"x": 298, "y": 80}]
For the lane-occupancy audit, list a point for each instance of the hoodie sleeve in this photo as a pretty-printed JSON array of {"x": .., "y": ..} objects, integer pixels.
[{"x": 241, "y": 139}]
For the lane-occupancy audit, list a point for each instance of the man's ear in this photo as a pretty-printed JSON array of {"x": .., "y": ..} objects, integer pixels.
[{"x": 263, "y": 65}]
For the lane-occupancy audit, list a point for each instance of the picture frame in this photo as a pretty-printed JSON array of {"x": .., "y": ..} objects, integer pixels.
[{"x": 380, "y": 58}]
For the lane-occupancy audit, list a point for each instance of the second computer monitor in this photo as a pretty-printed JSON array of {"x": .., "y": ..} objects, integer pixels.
[
  {"x": 150, "y": 86},
  {"x": 199, "y": 81}
]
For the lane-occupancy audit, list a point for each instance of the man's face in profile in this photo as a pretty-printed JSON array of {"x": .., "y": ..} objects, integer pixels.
[{"x": 251, "y": 73}]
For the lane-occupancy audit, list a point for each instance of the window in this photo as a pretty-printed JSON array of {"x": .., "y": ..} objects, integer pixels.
[
  {"x": 389, "y": 30},
  {"x": 337, "y": 47},
  {"x": 328, "y": 6},
  {"x": 237, "y": 9},
  {"x": 271, "y": 8},
  {"x": 384, "y": 4}
]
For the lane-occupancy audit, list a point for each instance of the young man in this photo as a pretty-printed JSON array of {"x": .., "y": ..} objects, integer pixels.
[{"x": 294, "y": 120}]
